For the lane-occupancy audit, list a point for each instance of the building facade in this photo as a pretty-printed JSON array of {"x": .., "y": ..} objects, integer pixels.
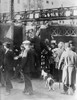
[
  {"x": 21, "y": 5},
  {"x": 58, "y": 3},
  {"x": 24, "y": 5},
  {"x": 4, "y": 6}
]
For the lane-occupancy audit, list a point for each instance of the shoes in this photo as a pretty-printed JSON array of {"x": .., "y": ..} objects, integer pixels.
[
  {"x": 21, "y": 81},
  {"x": 7, "y": 93},
  {"x": 27, "y": 93},
  {"x": 3, "y": 85},
  {"x": 70, "y": 91},
  {"x": 24, "y": 91},
  {"x": 64, "y": 92},
  {"x": 31, "y": 93}
]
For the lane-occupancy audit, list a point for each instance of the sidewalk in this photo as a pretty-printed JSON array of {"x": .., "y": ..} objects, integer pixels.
[{"x": 40, "y": 92}]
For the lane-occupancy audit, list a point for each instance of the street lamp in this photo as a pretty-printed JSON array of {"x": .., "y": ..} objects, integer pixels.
[{"x": 12, "y": 9}]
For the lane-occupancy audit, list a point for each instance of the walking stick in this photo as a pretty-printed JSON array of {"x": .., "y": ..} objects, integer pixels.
[{"x": 59, "y": 78}]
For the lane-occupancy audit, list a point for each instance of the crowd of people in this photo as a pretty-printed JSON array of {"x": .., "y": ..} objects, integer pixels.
[
  {"x": 36, "y": 55},
  {"x": 67, "y": 62}
]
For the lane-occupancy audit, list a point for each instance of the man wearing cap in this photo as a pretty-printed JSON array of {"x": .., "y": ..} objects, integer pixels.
[
  {"x": 39, "y": 45},
  {"x": 27, "y": 64},
  {"x": 36, "y": 41},
  {"x": 8, "y": 66}
]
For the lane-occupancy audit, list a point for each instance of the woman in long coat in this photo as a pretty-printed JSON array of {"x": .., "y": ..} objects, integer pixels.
[{"x": 69, "y": 69}]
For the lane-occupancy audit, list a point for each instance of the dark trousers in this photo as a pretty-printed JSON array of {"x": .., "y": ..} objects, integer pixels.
[
  {"x": 38, "y": 64},
  {"x": 17, "y": 71},
  {"x": 28, "y": 84},
  {"x": 17, "y": 68},
  {"x": 8, "y": 80},
  {"x": 2, "y": 80}
]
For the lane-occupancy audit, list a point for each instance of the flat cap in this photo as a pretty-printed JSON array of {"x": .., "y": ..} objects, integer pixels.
[{"x": 26, "y": 42}]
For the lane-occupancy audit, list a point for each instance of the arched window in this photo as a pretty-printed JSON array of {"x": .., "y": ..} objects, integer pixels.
[{"x": 47, "y": 1}]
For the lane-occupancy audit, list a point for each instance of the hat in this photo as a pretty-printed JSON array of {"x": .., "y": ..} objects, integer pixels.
[
  {"x": 7, "y": 44},
  {"x": 70, "y": 42},
  {"x": 53, "y": 41},
  {"x": 26, "y": 42}
]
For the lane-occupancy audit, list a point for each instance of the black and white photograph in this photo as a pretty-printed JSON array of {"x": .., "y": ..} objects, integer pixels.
[{"x": 38, "y": 49}]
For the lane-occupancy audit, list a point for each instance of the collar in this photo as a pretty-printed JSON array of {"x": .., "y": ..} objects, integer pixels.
[{"x": 67, "y": 49}]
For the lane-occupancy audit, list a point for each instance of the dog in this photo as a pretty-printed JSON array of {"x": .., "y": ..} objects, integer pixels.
[
  {"x": 49, "y": 80},
  {"x": 44, "y": 74}
]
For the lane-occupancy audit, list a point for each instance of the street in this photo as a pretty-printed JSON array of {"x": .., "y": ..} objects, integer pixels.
[{"x": 40, "y": 92}]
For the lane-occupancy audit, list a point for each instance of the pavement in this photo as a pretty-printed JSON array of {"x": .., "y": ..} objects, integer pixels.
[{"x": 40, "y": 92}]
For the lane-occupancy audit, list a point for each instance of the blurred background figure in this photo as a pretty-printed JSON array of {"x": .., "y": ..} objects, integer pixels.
[{"x": 72, "y": 45}]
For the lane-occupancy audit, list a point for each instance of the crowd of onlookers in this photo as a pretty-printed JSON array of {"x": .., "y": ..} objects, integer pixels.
[
  {"x": 34, "y": 56},
  {"x": 65, "y": 59}
]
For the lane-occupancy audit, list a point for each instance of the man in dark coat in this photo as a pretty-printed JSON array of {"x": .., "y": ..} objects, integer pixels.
[
  {"x": 8, "y": 66},
  {"x": 27, "y": 64},
  {"x": 1, "y": 65},
  {"x": 39, "y": 45}
]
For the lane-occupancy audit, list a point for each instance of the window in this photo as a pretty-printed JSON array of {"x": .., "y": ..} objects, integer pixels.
[
  {"x": 63, "y": 21},
  {"x": 47, "y": 1},
  {"x": 60, "y": 21}
]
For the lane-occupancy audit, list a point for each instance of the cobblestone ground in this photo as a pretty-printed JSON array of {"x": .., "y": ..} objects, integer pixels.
[{"x": 40, "y": 92}]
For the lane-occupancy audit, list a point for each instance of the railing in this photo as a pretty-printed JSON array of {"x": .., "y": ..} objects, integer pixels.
[{"x": 62, "y": 13}]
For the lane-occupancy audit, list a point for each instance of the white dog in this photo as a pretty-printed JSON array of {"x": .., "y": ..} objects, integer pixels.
[
  {"x": 44, "y": 74},
  {"x": 49, "y": 80}
]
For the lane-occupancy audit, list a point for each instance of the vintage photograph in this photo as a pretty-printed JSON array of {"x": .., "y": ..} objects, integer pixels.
[{"x": 38, "y": 49}]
